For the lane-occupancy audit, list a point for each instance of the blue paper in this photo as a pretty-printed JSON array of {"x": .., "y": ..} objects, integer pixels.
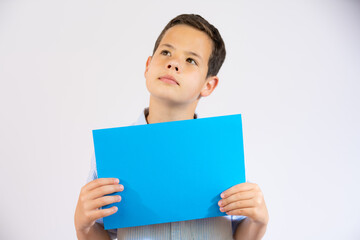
[{"x": 172, "y": 171}]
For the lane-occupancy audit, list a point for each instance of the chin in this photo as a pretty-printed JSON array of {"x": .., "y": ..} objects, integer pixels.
[{"x": 165, "y": 97}]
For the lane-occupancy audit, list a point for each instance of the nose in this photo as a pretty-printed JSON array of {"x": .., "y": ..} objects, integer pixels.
[{"x": 173, "y": 65}]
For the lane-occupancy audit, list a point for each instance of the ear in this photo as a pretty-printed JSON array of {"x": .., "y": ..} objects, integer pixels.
[
  {"x": 210, "y": 85},
  {"x": 147, "y": 65}
]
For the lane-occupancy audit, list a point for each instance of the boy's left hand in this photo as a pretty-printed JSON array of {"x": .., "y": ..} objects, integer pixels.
[{"x": 245, "y": 199}]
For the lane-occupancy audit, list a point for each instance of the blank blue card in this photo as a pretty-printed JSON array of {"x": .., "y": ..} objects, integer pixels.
[{"x": 172, "y": 171}]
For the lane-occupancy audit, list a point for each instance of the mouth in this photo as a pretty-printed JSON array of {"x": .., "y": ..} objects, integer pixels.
[{"x": 169, "y": 79}]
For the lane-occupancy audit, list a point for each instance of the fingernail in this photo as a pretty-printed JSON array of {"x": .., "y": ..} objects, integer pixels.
[
  {"x": 220, "y": 203},
  {"x": 221, "y": 209},
  {"x": 116, "y": 180},
  {"x": 118, "y": 198},
  {"x": 222, "y": 195}
]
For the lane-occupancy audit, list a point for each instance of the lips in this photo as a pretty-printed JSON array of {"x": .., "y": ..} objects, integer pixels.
[{"x": 169, "y": 79}]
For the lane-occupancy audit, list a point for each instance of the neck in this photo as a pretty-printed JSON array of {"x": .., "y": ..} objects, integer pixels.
[{"x": 165, "y": 112}]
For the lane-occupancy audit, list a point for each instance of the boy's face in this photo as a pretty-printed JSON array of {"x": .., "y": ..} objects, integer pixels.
[{"x": 183, "y": 55}]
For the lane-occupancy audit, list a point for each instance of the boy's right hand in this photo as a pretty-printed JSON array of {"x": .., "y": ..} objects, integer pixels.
[{"x": 90, "y": 200}]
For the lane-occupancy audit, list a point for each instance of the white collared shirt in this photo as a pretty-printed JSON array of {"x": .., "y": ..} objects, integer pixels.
[{"x": 203, "y": 228}]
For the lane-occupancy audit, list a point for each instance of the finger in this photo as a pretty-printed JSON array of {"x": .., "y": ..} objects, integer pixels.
[
  {"x": 104, "y": 190},
  {"x": 238, "y": 205},
  {"x": 248, "y": 212},
  {"x": 99, "y": 182},
  {"x": 100, "y": 202},
  {"x": 101, "y": 213},
  {"x": 242, "y": 187},
  {"x": 236, "y": 197}
]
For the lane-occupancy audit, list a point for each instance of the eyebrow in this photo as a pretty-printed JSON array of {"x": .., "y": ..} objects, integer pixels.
[{"x": 189, "y": 52}]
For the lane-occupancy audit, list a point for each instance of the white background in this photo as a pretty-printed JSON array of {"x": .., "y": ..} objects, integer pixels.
[{"x": 292, "y": 70}]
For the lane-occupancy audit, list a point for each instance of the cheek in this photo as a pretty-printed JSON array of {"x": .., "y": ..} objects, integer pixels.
[
  {"x": 151, "y": 73},
  {"x": 195, "y": 80},
  {"x": 193, "y": 88},
  {"x": 149, "y": 78}
]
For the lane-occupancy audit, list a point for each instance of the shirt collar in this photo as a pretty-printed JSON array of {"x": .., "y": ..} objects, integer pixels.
[{"x": 142, "y": 118}]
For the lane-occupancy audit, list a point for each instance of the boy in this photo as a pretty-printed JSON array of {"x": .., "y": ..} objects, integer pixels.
[{"x": 186, "y": 59}]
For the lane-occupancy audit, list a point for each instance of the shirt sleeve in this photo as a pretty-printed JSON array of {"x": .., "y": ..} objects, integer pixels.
[
  {"x": 235, "y": 221},
  {"x": 92, "y": 176}
]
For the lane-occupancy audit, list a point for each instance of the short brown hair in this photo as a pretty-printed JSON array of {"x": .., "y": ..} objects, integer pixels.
[{"x": 218, "y": 53}]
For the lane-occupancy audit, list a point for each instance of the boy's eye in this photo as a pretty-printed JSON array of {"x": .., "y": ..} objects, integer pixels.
[
  {"x": 165, "y": 53},
  {"x": 192, "y": 61}
]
